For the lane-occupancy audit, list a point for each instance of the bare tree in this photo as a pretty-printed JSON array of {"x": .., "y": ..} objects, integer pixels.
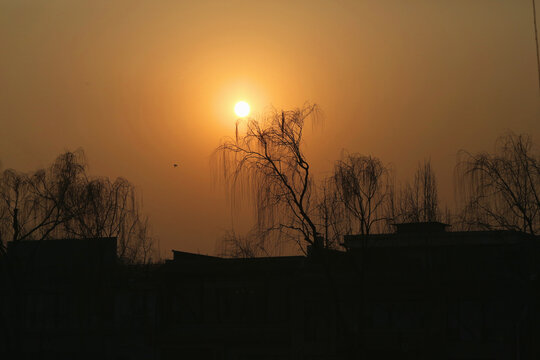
[
  {"x": 332, "y": 216},
  {"x": 419, "y": 202},
  {"x": 501, "y": 190},
  {"x": 250, "y": 245},
  {"x": 103, "y": 208},
  {"x": 363, "y": 185},
  {"x": 267, "y": 164},
  {"x": 62, "y": 201},
  {"x": 34, "y": 205}
]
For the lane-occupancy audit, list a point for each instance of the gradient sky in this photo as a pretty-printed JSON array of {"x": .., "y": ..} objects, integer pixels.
[{"x": 141, "y": 85}]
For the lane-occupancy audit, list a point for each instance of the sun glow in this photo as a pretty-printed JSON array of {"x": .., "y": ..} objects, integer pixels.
[{"x": 242, "y": 108}]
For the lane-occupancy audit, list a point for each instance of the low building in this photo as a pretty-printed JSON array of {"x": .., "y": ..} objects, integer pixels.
[
  {"x": 57, "y": 299},
  {"x": 419, "y": 293},
  {"x": 431, "y": 293}
]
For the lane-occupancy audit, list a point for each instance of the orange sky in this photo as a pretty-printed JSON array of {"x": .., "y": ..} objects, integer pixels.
[{"x": 143, "y": 84}]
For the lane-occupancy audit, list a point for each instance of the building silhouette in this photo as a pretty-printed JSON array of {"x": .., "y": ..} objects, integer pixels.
[
  {"x": 419, "y": 293},
  {"x": 449, "y": 295}
]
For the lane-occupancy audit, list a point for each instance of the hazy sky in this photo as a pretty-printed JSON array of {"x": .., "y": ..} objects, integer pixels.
[{"x": 141, "y": 85}]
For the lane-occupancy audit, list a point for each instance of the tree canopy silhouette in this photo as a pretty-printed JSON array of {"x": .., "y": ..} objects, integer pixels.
[
  {"x": 501, "y": 190},
  {"x": 63, "y": 201},
  {"x": 363, "y": 185},
  {"x": 419, "y": 201},
  {"x": 266, "y": 162}
]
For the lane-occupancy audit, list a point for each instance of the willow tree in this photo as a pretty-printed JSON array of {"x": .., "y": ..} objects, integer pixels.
[
  {"x": 333, "y": 218},
  {"x": 501, "y": 190},
  {"x": 62, "y": 201},
  {"x": 33, "y": 206},
  {"x": 266, "y": 162},
  {"x": 244, "y": 246},
  {"x": 419, "y": 201},
  {"x": 364, "y": 186},
  {"x": 101, "y": 207}
]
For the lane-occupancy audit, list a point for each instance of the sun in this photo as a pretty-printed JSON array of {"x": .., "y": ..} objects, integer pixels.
[{"x": 242, "y": 108}]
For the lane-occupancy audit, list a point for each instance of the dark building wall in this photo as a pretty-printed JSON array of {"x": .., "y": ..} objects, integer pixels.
[
  {"x": 453, "y": 295},
  {"x": 57, "y": 298},
  {"x": 416, "y": 294},
  {"x": 228, "y": 309}
]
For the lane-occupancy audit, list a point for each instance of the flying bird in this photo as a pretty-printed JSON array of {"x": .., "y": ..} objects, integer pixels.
[{"x": 175, "y": 165}]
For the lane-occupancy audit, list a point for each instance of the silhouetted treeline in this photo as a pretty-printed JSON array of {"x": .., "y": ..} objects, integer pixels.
[
  {"x": 64, "y": 201},
  {"x": 266, "y": 163}
]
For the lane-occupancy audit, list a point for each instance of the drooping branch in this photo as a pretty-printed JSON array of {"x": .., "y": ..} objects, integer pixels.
[
  {"x": 266, "y": 164},
  {"x": 500, "y": 190},
  {"x": 62, "y": 201},
  {"x": 363, "y": 185}
]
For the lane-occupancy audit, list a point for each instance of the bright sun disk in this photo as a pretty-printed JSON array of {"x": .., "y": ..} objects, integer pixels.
[{"x": 241, "y": 108}]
